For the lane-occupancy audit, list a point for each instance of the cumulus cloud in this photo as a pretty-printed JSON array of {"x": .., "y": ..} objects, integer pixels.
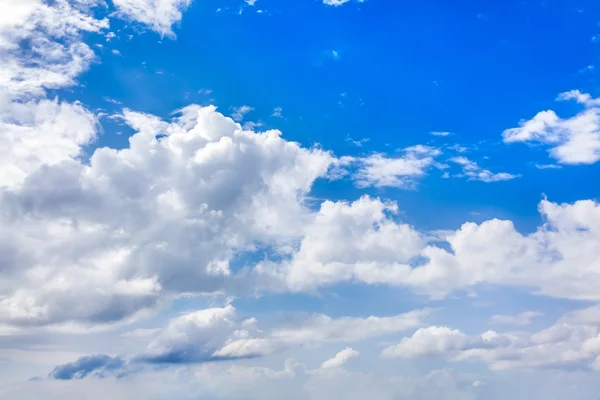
[
  {"x": 41, "y": 46},
  {"x": 358, "y": 241},
  {"x": 379, "y": 170},
  {"x": 218, "y": 334},
  {"x": 340, "y": 358},
  {"x": 206, "y": 335},
  {"x": 158, "y": 15},
  {"x": 472, "y": 171},
  {"x": 362, "y": 242},
  {"x": 573, "y": 342},
  {"x": 574, "y": 140},
  {"x": 116, "y": 235}
]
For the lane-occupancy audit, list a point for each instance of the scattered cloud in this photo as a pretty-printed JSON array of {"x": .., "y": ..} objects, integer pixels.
[
  {"x": 277, "y": 112},
  {"x": 440, "y": 133},
  {"x": 379, "y": 170},
  {"x": 574, "y": 140},
  {"x": 472, "y": 171},
  {"x": 357, "y": 143},
  {"x": 570, "y": 343},
  {"x": 548, "y": 166},
  {"x": 340, "y": 358},
  {"x": 160, "y": 16},
  {"x": 239, "y": 113},
  {"x": 335, "y": 3}
]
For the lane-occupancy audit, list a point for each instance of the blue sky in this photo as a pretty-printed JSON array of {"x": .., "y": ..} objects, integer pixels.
[{"x": 317, "y": 199}]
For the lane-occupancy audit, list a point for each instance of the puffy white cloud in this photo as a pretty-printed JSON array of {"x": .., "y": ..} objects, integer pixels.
[
  {"x": 574, "y": 341},
  {"x": 523, "y": 318},
  {"x": 362, "y": 242},
  {"x": 379, "y": 170},
  {"x": 40, "y": 45},
  {"x": 574, "y": 140},
  {"x": 472, "y": 171},
  {"x": 340, "y": 358},
  {"x": 131, "y": 227},
  {"x": 431, "y": 341},
  {"x": 217, "y": 334},
  {"x": 345, "y": 242},
  {"x": 158, "y": 15},
  {"x": 66, "y": 128},
  {"x": 205, "y": 335}
]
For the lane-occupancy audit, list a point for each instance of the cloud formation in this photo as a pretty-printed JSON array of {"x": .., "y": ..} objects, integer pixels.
[{"x": 574, "y": 140}]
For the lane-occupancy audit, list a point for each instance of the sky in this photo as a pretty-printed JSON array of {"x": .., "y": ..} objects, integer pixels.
[{"x": 302, "y": 199}]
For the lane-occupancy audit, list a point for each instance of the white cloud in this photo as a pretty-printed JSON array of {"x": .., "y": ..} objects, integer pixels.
[
  {"x": 523, "y": 318},
  {"x": 340, "y": 358},
  {"x": 206, "y": 335},
  {"x": 380, "y": 171},
  {"x": 239, "y": 112},
  {"x": 158, "y": 15},
  {"x": 220, "y": 333},
  {"x": 440, "y": 133},
  {"x": 361, "y": 242},
  {"x": 431, "y": 341},
  {"x": 66, "y": 128},
  {"x": 473, "y": 171},
  {"x": 574, "y": 341},
  {"x": 134, "y": 226},
  {"x": 356, "y": 241},
  {"x": 547, "y": 166},
  {"x": 277, "y": 112},
  {"x": 574, "y": 140},
  {"x": 40, "y": 45},
  {"x": 335, "y": 3}
]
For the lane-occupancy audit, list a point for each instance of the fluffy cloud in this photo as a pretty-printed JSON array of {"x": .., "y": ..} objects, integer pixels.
[
  {"x": 348, "y": 241},
  {"x": 380, "y": 171},
  {"x": 362, "y": 242},
  {"x": 574, "y": 341},
  {"x": 40, "y": 45},
  {"x": 472, "y": 171},
  {"x": 574, "y": 140},
  {"x": 217, "y": 334},
  {"x": 162, "y": 216},
  {"x": 66, "y": 128},
  {"x": 340, "y": 358},
  {"x": 158, "y": 15},
  {"x": 205, "y": 335}
]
